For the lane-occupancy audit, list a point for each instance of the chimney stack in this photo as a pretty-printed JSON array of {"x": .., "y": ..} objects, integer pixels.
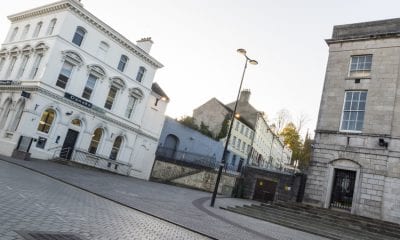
[
  {"x": 145, "y": 44},
  {"x": 245, "y": 95}
]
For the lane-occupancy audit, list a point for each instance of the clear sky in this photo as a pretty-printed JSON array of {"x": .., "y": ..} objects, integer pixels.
[{"x": 196, "y": 40}]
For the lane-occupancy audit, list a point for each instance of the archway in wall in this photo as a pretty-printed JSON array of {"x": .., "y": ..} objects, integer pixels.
[
  {"x": 171, "y": 145},
  {"x": 343, "y": 184}
]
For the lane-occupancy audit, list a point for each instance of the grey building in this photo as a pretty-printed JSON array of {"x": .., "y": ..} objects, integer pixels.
[{"x": 356, "y": 158}]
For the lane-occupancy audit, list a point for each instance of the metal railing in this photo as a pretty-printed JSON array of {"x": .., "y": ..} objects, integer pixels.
[
  {"x": 89, "y": 159},
  {"x": 96, "y": 161},
  {"x": 191, "y": 159}
]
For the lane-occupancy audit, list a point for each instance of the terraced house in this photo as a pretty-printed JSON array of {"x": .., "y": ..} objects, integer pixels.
[
  {"x": 356, "y": 158},
  {"x": 73, "y": 87}
]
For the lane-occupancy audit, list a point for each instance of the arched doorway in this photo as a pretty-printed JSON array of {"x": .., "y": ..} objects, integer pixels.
[
  {"x": 70, "y": 139},
  {"x": 171, "y": 145}
]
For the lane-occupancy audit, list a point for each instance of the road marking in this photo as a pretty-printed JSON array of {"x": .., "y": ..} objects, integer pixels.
[
  {"x": 9, "y": 188},
  {"x": 22, "y": 195}
]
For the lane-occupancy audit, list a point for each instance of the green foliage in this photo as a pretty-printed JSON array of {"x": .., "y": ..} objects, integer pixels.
[
  {"x": 306, "y": 153},
  {"x": 224, "y": 128},
  {"x": 189, "y": 122},
  {"x": 292, "y": 140},
  {"x": 301, "y": 151}
]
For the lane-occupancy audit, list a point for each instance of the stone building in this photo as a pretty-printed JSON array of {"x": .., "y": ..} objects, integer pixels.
[
  {"x": 356, "y": 159},
  {"x": 73, "y": 87},
  {"x": 252, "y": 141}
]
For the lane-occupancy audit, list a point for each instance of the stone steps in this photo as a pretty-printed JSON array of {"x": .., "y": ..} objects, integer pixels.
[
  {"x": 324, "y": 212},
  {"x": 323, "y": 223}
]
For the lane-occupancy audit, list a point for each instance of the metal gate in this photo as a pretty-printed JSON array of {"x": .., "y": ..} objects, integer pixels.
[
  {"x": 343, "y": 189},
  {"x": 264, "y": 190}
]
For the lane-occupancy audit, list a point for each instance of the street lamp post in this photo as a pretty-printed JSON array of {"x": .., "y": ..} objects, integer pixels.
[{"x": 223, "y": 160}]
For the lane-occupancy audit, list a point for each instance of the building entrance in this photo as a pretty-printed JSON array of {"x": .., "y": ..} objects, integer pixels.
[
  {"x": 343, "y": 189},
  {"x": 69, "y": 144},
  {"x": 264, "y": 190}
]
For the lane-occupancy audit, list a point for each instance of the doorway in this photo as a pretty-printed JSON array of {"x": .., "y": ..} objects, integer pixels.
[
  {"x": 264, "y": 190},
  {"x": 69, "y": 144},
  {"x": 343, "y": 189}
]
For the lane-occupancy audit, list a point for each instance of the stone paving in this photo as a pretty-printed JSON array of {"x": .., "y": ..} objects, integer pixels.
[
  {"x": 33, "y": 202},
  {"x": 185, "y": 207}
]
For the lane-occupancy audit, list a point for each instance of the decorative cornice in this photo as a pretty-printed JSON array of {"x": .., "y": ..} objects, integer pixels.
[
  {"x": 91, "y": 19},
  {"x": 96, "y": 111}
]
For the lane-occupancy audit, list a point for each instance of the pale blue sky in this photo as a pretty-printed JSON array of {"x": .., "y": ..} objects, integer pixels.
[{"x": 196, "y": 40}]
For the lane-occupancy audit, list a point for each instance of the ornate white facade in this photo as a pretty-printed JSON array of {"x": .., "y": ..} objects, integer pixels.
[{"x": 78, "y": 88}]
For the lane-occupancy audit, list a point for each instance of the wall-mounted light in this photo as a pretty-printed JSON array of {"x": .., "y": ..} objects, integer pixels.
[
  {"x": 383, "y": 143},
  {"x": 69, "y": 113}
]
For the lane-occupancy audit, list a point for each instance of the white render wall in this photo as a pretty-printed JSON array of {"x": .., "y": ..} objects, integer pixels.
[{"x": 140, "y": 133}]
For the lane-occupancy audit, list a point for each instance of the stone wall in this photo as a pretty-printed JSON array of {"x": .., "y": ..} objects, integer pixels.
[
  {"x": 192, "y": 177},
  {"x": 288, "y": 187}
]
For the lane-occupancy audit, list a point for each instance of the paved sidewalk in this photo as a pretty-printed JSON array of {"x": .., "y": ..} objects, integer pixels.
[{"x": 184, "y": 207}]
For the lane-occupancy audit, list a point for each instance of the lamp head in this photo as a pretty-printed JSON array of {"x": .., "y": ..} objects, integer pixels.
[
  {"x": 241, "y": 51},
  {"x": 254, "y": 62}
]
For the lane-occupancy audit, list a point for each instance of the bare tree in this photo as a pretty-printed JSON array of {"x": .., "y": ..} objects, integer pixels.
[
  {"x": 283, "y": 116},
  {"x": 302, "y": 120}
]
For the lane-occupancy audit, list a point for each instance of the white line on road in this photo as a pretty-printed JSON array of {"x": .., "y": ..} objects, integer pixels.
[
  {"x": 21, "y": 195},
  {"x": 9, "y": 188}
]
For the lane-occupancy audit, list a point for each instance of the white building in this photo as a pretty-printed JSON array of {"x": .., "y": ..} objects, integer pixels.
[{"x": 74, "y": 87}]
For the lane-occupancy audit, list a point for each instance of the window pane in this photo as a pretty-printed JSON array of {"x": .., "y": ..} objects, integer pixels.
[
  {"x": 347, "y": 105},
  {"x": 354, "y": 110},
  {"x": 352, "y": 125},
  {"x": 349, "y": 96},
  {"x": 353, "y": 115},
  {"x": 363, "y": 96},
  {"x": 361, "y": 106},
  {"x": 78, "y": 36},
  {"x": 356, "y": 96}
]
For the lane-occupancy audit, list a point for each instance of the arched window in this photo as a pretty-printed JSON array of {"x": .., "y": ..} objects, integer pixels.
[
  {"x": 37, "y": 29},
  {"x": 22, "y": 66},
  {"x": 122, "y": 63},
  {"x": 140, "y": 74},
  {"x": 79, "y": 36},
  {"x": 17, "y": 116},
  {"x": 5, "y": 113},
  {"x": 96, "y": 138},
  {"x": 13, "y": 34},
  {"x": 50, "y": 29},
  {"x": 115, "y": 149},
  {"x": 46, "y": 120},
  {"x": 25, "y": 31},
  {"x": 103, "y": 49}
]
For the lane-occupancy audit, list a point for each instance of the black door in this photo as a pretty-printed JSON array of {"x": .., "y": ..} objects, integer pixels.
[
  {"x": 343, "y": 189},
  {"x": 264, "y": 190},
  {"x": 69, "y": 144}
]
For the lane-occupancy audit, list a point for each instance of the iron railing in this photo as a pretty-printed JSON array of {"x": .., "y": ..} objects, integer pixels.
[
  {"x": 191, "y": 159},
  {"x": 89, "y": 159}
]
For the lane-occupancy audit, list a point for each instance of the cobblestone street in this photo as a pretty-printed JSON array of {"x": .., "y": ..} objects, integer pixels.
[{"x": 33, "y": 202}]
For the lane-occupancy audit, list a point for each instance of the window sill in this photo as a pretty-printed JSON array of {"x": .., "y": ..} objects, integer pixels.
[
  {"x": 354, "y": 78},
  {"x": 350, "y": 131}
]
